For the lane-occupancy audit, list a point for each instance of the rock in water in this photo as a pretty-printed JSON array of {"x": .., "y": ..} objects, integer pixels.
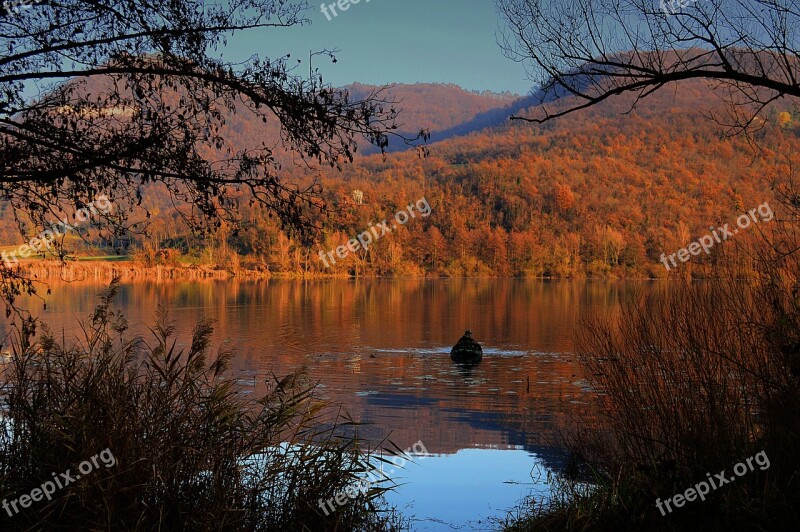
[{"x": 467, "y": 349}]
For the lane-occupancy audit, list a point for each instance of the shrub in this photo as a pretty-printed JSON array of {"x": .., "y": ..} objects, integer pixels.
[
  {"x": 691, "y": 381},
  {"x": 191, "y": 453}
]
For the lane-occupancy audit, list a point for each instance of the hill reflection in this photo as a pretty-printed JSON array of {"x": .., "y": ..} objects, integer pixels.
[{"x": 380, "y": 347}]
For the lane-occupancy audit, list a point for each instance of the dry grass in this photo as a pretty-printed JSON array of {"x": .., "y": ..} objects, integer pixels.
[
  {"x": 691, "y": 381},
  {"x": 191, "y": 453}
]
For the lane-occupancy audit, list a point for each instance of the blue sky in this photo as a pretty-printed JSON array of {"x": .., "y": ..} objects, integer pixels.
[{"x": 397, "y": 41}]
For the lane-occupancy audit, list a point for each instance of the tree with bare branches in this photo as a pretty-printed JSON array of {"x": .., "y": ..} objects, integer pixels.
[
  {"x": 595, "y": 49},
  {"x": 112, "y": 97}
]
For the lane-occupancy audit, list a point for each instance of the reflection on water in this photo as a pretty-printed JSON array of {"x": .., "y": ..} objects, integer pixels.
[
  {"x": 461, "y": 490},
  {"x": 381, "y": 347}
]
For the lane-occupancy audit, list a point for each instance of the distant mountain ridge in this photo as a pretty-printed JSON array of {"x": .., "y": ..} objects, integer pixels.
[{"x": 443, "y": 109}]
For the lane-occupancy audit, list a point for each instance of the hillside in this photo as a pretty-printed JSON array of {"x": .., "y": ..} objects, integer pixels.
[
  {"x": 436, "y": 107},
  {"x": 431, "y": 106},
  {"x": 598, "y": 192}
]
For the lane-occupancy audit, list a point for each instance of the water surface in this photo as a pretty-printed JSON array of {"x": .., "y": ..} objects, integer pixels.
[{"x": 380, "y": 347}]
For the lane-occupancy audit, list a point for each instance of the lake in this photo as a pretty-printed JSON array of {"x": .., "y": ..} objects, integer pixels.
[{"x": 381, "y": 348}]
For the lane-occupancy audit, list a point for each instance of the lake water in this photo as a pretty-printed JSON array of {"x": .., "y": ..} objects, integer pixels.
[{"x": 381, "y": 348}]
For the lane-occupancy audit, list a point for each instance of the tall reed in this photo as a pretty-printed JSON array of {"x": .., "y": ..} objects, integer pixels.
[
  {"x": 191, "y": 452},
  {"x": 690, "y": 381}
]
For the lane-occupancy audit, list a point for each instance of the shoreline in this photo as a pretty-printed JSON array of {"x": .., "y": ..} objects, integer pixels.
[{"x": 105, "y": 270}]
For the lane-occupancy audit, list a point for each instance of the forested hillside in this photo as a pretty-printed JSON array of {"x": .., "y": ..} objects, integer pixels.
[{"x": 599, "y": 193}]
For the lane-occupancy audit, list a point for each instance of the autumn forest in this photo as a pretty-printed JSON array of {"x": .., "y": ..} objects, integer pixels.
[{"x": 602, "y": 193}]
